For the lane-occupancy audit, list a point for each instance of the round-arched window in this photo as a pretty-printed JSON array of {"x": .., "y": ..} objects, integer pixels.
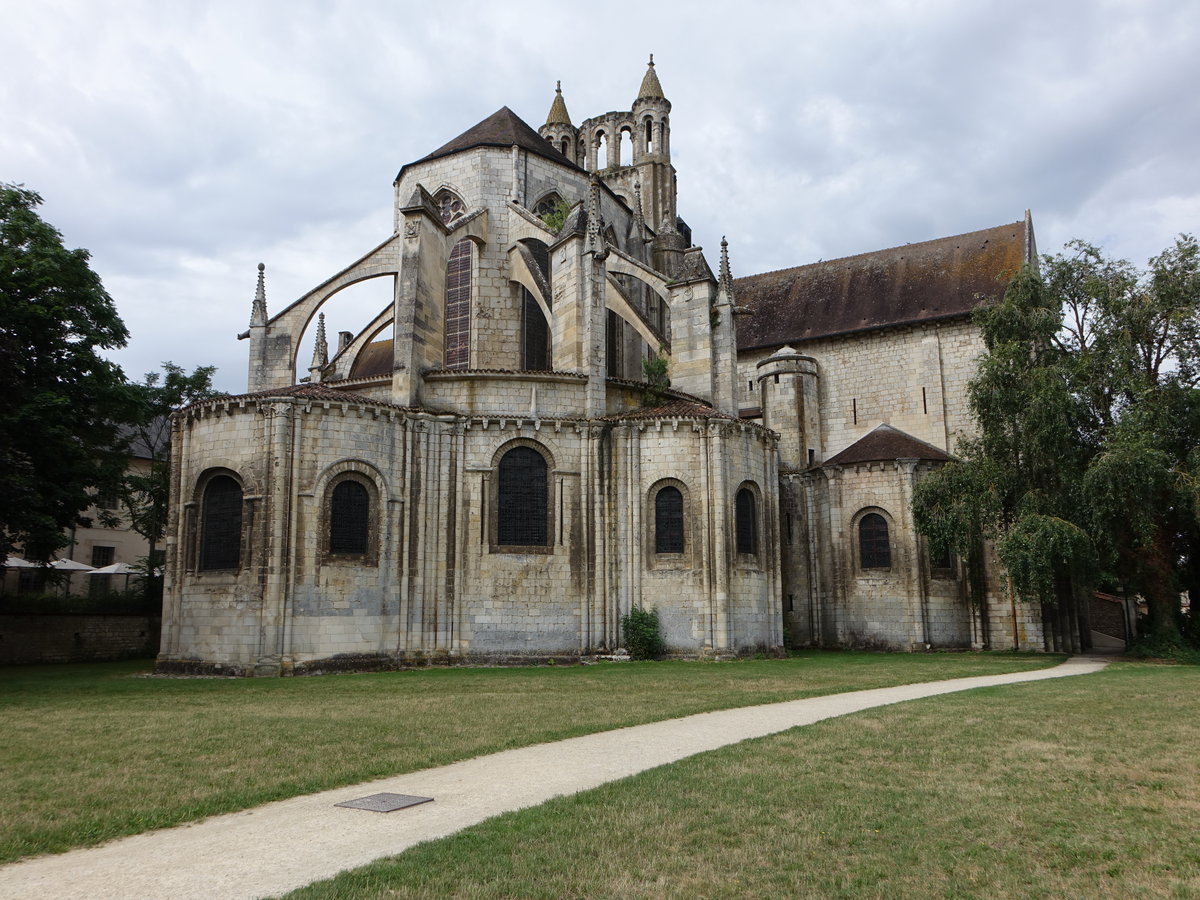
[
  {"x": 668, "y": 521},
  {"x": 874, "y": 549},
  {"x": 349, "y": 518}
]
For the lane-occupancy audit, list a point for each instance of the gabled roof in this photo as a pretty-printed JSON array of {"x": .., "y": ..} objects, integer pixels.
[
  {"x": 886, "y": 443},
  {"x": 503, "y": 128},
  {"x": 931, "y": 280}
]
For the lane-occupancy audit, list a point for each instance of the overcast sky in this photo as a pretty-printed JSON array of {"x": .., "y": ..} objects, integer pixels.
[{"x": 184, "y": 142}]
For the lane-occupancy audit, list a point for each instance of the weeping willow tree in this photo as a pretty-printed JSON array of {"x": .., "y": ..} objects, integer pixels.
[
  {"x": 1017, "y": 483},
  {"x": 1085, "y": 466}
]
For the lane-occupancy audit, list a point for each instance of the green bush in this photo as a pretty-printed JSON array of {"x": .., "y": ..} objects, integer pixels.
[
  {"x": 1175, "y": 650},
  {"x": 643, "y": 637}
]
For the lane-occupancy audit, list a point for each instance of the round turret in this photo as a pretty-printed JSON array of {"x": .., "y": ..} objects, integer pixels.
[
  {"x": 789, "y": 390},
  {"x": 652, "y": 117}
]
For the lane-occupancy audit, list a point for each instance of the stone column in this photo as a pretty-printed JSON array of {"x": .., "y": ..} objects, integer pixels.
[
  {"x": 723, "y": 556},
  {"x": 278, "y": 423}
]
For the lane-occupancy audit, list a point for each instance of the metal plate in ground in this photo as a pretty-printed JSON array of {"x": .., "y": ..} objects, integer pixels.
[{"x": 385, "y": 802}]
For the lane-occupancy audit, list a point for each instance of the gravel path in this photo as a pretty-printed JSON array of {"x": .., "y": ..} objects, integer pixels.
[{"x": 276, "y": 848}]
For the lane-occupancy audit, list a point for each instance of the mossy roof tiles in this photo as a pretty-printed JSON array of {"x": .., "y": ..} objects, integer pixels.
[{"x": 931, "y": 280}]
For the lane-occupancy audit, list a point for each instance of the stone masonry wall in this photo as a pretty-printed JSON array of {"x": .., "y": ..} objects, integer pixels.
[
  {"x": 912, "y": 378},
  {"x": 76, "y": 638}
]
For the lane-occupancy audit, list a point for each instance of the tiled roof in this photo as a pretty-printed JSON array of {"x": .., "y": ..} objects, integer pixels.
[
  {"x": 503, "y": 128},
  {"x": 558, "y": 114},
  {"x": 887, "y": 443},
  {"x": 673, "y": 409},
  {"x": 374, "y": 359},
  {"x": 917, "y": 282},
  {"x": 651, "y": 88},
  {"x": 305, "y": 392}
]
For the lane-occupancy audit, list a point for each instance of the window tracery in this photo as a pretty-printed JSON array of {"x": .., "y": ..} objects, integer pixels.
[{"x": 450, "y": 207}]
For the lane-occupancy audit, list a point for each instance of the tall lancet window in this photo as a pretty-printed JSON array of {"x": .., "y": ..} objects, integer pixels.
[
  {"x": 458, "y": 307},
  {"x": 535, "y": 335}
]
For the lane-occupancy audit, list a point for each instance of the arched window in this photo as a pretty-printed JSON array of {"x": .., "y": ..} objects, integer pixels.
[
  {"x": 221, "y": 524},
  {"x": 746, "y": 521},
  {"x": 614, "y": 333},
  {"x": 449, "y": 205},
  {"x": 550, "y": 203},
  {"x": 668, "y": 521},
  {"x": 457, "y": 340},
  {"x": 522, "y": 503},
  {"x": 626, "y": 146},
  {"x": 349, "y": 518},
  {"x": 874, "y": 550},
  {"x": 535, "y": 335},
  {"x": 649, "y": 134},
  {"x": 601, "y": 150}
]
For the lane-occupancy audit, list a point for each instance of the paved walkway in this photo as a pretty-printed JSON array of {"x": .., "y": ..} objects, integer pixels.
[{"x": 276, "y": 848}]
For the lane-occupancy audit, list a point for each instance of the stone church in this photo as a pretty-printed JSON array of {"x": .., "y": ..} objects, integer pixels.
[{"x": 495, "y": 468}]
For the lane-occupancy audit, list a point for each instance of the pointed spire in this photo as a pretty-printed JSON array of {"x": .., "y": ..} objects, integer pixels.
[
  {"x": 258, "y": 312},
  {"x": 725, "y": 279},
  {"x": 558, "y": 109},
  {"x": 651, "y": 89},
  {"x": 320, "y": 349},
  {"x": 639, "y": 216}
]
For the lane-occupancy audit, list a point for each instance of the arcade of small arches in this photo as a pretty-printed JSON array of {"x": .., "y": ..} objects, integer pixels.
[{"x": 522, "y": 521}]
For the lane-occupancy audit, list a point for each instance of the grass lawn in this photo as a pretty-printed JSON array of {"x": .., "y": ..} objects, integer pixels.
[
  {"x": 1081, "y": 787},
  {"x": 91, "y": 752}
]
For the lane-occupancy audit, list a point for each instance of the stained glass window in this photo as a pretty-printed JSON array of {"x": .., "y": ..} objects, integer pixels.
[
  {"x": 349, "y": 518},
  {"x": 221, "y": 524},
  {"x": 668, "y": 521},
  {"x": 875, "y": 551},
  {"x": 746, "y": 522},
  {"x": 523, "y": 501},
  {"x": 458, "y": 307}
]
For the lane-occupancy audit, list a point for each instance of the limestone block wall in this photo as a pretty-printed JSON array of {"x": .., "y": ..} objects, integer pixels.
[
  {"x": 516, "y": 601},
  {"x": 913, "y": 378},
  {"x": 215, "y": 616},
  {"x": 499, "y": 394},
  {"x": 28, "y": 639},
  {"x": 897, "y": 607}
]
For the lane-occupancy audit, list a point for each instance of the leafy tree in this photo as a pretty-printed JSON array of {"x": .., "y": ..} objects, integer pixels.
[
  {"x": 145, "y": 493},
  {"x": 62, "y": 401},
  {"x": 1085, "y": 464}
]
